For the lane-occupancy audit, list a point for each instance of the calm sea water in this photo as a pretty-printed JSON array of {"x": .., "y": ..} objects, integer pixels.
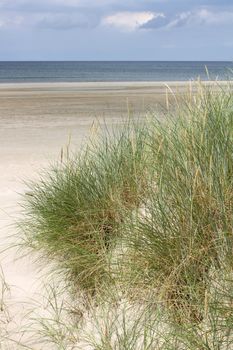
[{"x": 11, "y": 72}]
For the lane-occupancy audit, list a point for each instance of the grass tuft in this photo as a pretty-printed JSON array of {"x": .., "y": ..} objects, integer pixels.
[
  {"x": 155, "y": 201},
  {"x": 75, "y": 211},
  {"x": 187, "y": 229}
]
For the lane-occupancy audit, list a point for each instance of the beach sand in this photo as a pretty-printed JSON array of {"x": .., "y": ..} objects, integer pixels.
[{"x": 36, "y": 121}]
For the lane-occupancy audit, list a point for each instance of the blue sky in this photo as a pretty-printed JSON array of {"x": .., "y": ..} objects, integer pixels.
[{"x": 116, "y": 30}]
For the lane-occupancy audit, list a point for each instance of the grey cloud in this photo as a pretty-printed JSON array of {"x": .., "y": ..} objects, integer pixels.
[
  {"x": 56, "y": 14},
  {"x": 182, "y": 19},
  {"x": 13, "y": 22},
  {"x": 158, "y": 22},
  {"x": 57, "y": 5},
  {"x": 66, "y": 21},
  {"x": 199, "y": 17},
  {"x": 67, "y": 14},
  {"x": 203, "y": 17},
  {"x": 168, "y": 21}
]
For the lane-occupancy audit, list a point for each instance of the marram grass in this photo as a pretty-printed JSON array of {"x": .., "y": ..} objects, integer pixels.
[
  {"x": 163, "y": 191},
  {"x": 188, "y": 228},
  {"x": 74, "y": 213}
]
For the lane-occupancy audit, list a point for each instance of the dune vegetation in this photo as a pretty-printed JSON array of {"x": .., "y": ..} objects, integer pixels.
[{"x": 144, "y": 216}]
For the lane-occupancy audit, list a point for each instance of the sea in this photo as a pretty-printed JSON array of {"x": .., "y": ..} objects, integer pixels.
[{"x": 110, "y": 71}]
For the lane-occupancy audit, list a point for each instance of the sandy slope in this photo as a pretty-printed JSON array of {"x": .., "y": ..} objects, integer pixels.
[{"x": 35, "y": 122}]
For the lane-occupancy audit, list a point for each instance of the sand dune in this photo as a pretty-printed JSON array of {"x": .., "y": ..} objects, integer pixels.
[{"x": 36, "y": 120}]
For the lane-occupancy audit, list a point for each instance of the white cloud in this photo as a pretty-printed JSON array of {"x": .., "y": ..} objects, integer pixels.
[{"x": 129, "y": 20}]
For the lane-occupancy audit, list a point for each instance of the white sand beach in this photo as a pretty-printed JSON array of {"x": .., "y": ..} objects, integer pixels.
[{"x": 36, "y": 121}]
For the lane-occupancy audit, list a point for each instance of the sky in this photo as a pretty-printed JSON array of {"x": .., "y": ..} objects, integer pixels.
[{"x": 116, "y": 30}]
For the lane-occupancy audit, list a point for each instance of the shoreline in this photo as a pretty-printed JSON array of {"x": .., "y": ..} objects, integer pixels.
[{"x": 112, "y": 84}]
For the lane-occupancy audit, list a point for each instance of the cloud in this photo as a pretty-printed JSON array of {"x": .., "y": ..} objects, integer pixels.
[
  {"x": 129, "y": 20},
  {"x": 202, "y": 17},
  {"x": 66, "y": 21},
  {"x": 191, "y": 18},
  {"x": 55, "y": 5},
  {"x": 155, "y": 23},
  {"x": 12, "y": 22},
  {"x": 220, "y": 17},
  {"x": 126, "y": 15}
]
